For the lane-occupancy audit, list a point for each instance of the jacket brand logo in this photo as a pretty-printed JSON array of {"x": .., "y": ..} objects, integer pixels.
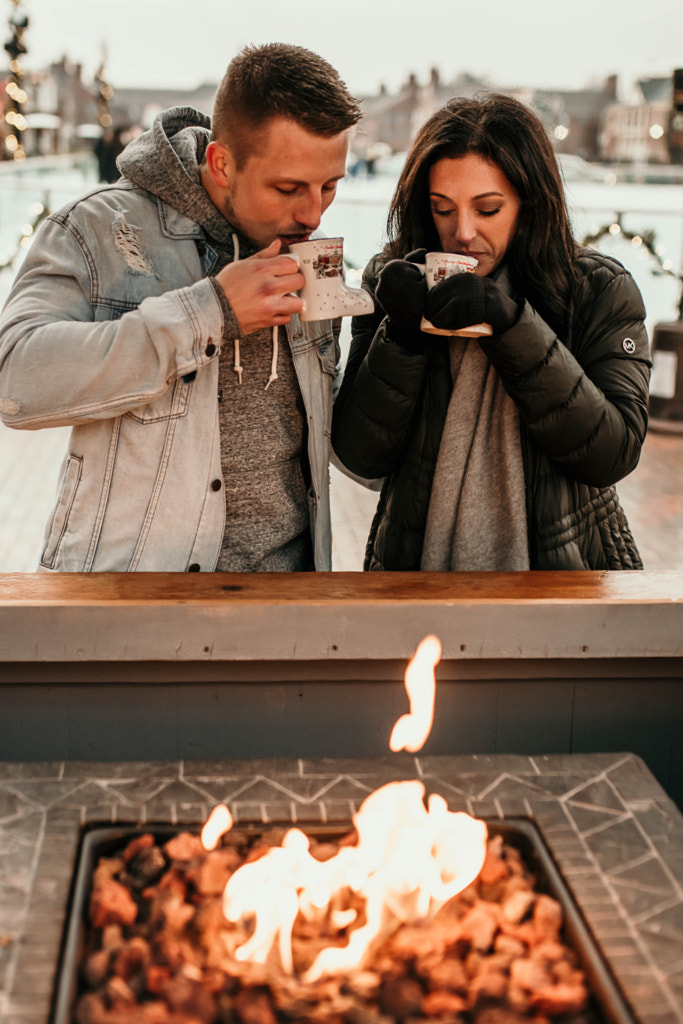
[{"x": 628, "y": 345}]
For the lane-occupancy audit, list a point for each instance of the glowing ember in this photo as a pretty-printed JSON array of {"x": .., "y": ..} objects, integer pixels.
[
  {"x": 216, "y": 825},
  {"x": 410, "y": 859},
  {"x": 411, "y": 730}
]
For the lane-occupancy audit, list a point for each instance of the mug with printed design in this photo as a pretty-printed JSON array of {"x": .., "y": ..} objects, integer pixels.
[
  {"x": 438, "y": 266},
  {"x": 325, "y": 293}
]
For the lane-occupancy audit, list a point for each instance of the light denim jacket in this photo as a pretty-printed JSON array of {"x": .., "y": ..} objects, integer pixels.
[{"x": 130, "y": 361}]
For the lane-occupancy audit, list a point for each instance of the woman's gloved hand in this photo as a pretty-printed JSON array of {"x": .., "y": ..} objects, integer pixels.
[
  {"x": 401, "y": 292},
  {"x": 465, "y": 299}
]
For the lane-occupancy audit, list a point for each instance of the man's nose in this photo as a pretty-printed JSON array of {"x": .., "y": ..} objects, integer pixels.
[{"x": 310, "y": 210}]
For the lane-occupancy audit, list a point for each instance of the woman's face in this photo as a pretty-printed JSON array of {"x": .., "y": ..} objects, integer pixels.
[{"x": 475, "y": 209}]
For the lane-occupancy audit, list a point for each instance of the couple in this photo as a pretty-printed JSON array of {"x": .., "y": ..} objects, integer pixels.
[{"x": 157, "y": 317}]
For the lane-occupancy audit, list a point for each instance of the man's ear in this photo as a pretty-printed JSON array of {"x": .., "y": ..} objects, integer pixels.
[{"x": 221, "y": 164}]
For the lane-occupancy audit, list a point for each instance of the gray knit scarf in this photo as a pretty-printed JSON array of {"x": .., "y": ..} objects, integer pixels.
[{"x": 477, "y": 510}]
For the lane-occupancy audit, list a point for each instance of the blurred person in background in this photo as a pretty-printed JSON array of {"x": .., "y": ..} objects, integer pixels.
[{"x": 107, "y": 150}]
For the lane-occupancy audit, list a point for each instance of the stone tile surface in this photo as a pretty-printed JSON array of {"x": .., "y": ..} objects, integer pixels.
[{"x": 610, "y": 828}]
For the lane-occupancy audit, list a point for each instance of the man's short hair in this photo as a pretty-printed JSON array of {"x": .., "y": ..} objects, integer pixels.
[{"x": 278, "y": 80}]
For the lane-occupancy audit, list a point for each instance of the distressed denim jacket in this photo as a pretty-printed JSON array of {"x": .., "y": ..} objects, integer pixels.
[{"x": 130, "y": 361}]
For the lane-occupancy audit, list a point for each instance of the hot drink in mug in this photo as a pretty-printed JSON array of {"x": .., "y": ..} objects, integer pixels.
[
  {"x": 325, "y": 293},
  {"x": 438, "y": 266}
]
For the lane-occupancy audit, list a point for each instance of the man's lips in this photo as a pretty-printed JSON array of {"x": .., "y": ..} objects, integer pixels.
[{"x": 292, "y": 239}]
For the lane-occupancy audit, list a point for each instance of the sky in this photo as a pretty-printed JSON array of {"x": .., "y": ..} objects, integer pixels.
[{"x": 545, "y": 43}]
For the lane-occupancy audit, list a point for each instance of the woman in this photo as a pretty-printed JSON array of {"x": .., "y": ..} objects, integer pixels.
[{"x": 499, "y": 453}]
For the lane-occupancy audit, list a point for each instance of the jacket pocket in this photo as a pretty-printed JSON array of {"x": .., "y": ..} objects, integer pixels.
[
  {"x": 173, "y": 404},
  {"x": 328, "y": 354},
  {"x": 60, "y": 518}
]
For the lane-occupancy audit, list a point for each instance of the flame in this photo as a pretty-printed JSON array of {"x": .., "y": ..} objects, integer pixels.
[
  {"x": 409, "y": 860},
  {"x": 217, "y": 824},
  {"x": 411, "y": 730}
]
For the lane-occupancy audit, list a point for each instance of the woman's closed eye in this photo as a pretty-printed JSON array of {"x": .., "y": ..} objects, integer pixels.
[{"x": 436, "y": 212}]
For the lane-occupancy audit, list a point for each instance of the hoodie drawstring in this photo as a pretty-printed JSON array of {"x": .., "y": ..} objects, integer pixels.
[
  {"x": 273, "y": 365},
  {"x": 237, "y": 366}
]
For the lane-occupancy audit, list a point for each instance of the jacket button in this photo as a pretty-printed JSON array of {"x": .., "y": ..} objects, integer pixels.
[
  {"x": 210, "y": 349},
  {"x": 216, "y": 485},
  {"x": 194, "y": 567}
]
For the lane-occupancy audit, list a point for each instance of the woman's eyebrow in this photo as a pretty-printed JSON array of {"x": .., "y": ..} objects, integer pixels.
[{"x": 482, "y": 195}]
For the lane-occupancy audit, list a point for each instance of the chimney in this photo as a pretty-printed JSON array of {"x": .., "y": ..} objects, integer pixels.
[{"x": 610, "y": 86}]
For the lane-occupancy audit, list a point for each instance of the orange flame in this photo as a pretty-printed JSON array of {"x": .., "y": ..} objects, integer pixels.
[
  {"x": 410, "y": 859},
  {"x": 217, "y": 824},
  {"x": 411, "y": 730}
]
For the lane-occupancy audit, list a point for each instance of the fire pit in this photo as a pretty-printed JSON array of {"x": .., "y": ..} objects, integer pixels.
[
  {"x": 463, "y": 968},
  {"x": 614, "y": 835}
]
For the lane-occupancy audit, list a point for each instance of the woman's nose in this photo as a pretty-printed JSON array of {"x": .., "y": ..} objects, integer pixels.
[{"x": 466, "y": 229}]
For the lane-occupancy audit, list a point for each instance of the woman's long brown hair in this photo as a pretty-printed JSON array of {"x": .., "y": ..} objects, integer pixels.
[{"x": 540, "y": 258}]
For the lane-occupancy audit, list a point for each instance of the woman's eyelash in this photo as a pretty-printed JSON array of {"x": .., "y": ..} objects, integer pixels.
[{"x": 482, "y": 213}]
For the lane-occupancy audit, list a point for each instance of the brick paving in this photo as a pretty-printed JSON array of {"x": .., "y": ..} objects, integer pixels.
[{"x": 30, "y": 460}]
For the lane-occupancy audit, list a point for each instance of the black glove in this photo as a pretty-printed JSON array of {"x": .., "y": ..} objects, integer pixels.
[
  {"x": 462, "y": 300},
  {"x": 401, "y": 292}
]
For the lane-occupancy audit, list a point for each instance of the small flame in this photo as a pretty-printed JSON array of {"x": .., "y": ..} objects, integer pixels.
[
  {"x": 411, "y": 730},
  {"x": 216, "y": 825}
]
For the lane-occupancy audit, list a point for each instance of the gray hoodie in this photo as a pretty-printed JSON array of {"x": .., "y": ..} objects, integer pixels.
[{"x": 263, "y": 432}]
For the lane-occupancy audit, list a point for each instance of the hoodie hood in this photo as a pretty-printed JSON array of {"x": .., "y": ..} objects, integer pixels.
[{"x": 165, "y": 161}]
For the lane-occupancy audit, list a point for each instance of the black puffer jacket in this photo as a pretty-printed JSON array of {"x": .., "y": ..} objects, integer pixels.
[{"x": 582, "y": 403}]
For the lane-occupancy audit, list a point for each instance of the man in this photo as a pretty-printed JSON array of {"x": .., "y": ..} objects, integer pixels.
[{"x": 146, "y": 316}]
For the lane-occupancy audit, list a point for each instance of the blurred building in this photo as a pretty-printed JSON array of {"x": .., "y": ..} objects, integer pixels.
[
  {"x": 61, "y": 109},
  {"x": 140, "y": 106},
  {"x": 635, "y": 129},
  {"x": 573, "y": 118},
  {"x": 642, "y": 126}
]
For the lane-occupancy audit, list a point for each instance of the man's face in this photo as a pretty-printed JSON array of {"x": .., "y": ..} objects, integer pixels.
[{"x": 285, "y": 185}]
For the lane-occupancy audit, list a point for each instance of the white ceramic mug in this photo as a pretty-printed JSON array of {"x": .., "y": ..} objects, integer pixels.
[
  {"x": 438, "y": 266},
  {"x": 325, "y": 293}
]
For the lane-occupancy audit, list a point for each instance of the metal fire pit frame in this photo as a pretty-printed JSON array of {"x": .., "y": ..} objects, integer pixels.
[
  {"x": 612, "y": 830},
  {"x": 607, "y": 1004}
]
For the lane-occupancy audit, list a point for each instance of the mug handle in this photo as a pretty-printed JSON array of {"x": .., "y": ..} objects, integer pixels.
[{"x": 299, "y": 295}]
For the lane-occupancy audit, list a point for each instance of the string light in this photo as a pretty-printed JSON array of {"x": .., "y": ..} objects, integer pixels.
[
  {"x": 38, "y": 211},
  {"x": 105, "y": 94},
  {"x": 16, "y": 96},
  {"x": 646, "y": 240}
]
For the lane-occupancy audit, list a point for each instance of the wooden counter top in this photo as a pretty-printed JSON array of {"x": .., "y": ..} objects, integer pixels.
[
  {"x": 319, "y": 588},
  {"x": 336, "y": 616}
]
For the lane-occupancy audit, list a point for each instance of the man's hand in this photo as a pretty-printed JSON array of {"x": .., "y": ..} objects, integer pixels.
[{"x": 258, "y": 289}]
